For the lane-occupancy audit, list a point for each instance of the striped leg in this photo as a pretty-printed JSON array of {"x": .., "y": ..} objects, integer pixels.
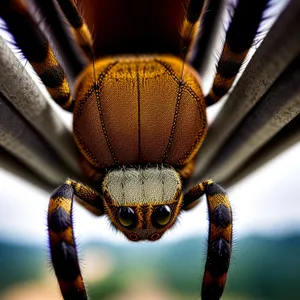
[
  {"x": 239, "y": 38},
  {"x": 191, "y": 25},
  {"x": 34, "y": 45},
  {"x": 80, "y": 29},
  {"x": 61, "y": 236},
  {"x": 220, "y": 236}
]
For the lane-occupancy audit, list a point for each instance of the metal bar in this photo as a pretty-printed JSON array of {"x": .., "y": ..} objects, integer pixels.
[
  {"x": 280, "y": 47},
  {"x": 277, "y": 107},
  {"x": 19, "y": 139},
  {"x": 16, "y": 167},
  {"x": 19, "y": 88},
  {"x": 285, "y": 138}
]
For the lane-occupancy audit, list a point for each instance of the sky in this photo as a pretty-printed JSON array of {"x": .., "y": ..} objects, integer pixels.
[{"x": 265, "y": 203}]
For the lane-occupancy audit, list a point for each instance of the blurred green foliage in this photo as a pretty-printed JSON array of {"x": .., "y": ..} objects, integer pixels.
[
  {"x": 262, "y": 268},
  {"x": 267, "y": 268},
  {"x": 20, "y": 263}
]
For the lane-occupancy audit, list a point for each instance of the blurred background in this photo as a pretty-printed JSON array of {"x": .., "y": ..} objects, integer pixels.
[{"x": 265, "y": 264}]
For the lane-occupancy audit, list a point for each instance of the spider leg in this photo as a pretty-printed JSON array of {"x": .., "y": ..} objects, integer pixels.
[
  {"x": 220, "y": 236},
  {"x": 191, "y": 25},
  {"x": 205, "y": 41},
  {"x": 58, "y": 33},
  {"x": 239, "y": 38},
  {"x": 80, "y": 29},
  {"x": 61, "y": 236},
  {"x": 34, "y": 45}
]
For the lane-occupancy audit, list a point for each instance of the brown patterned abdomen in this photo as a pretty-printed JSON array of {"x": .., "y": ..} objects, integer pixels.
[{"x": 139, "y": 112}]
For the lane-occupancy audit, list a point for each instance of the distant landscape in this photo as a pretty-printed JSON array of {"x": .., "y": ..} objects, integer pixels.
[{"x": 262, "y": 268}]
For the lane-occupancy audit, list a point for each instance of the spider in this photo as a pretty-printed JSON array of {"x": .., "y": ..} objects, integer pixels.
[{"x": 139, "y": 115}]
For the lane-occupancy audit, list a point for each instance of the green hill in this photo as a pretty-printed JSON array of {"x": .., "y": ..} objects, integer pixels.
[
  {"x": 19, "y": 263},
  {"x": 262, "y": 268}
]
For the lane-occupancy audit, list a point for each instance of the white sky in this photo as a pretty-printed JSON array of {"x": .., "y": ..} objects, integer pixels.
[{"x": 267, "y": 202}]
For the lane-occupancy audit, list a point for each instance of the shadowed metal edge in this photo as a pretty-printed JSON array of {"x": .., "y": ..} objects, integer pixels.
[
  {"x": 278, "y": 50},
  {"x": 17, "y": 87}
]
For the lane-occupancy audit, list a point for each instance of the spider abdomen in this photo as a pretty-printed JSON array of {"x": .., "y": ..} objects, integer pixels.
[{"x": 141, "y": 110}]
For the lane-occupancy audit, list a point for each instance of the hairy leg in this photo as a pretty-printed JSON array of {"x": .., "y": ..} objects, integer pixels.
[
  {"x": 220, "y": 236},
  {"x": 61, "y": 236}
]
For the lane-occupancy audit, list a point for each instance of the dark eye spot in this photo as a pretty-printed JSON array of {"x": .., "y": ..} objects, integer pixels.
[
  {"x": 127, "y": 217},
  {"x": 161, "y": 216}
]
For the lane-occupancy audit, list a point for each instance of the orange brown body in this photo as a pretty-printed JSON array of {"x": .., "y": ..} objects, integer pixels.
[{"x": 144, "y": 111}]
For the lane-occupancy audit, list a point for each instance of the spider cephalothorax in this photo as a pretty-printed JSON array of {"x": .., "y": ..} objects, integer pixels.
[{"x": 139, "y": 115}]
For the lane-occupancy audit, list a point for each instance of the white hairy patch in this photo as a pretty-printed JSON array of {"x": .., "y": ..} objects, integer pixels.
[{"x": 131, "y": 186}]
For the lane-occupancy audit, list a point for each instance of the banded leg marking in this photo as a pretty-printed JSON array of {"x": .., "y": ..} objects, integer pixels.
[
  {"x": 35, "y": 47},
  {"x": 87, "y": 197},
  {"x": 191, "y": 25},
  {"x": 80, "y": 29},
  {"x": 239, "y": 38},
  {"x": 61, "y": 236},
  {"x": 220, "y": 236}
]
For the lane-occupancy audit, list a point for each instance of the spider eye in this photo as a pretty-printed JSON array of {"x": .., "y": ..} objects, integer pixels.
[
  {"x": 127, "y": 217},
  {"x": 162, "y": 216}
]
